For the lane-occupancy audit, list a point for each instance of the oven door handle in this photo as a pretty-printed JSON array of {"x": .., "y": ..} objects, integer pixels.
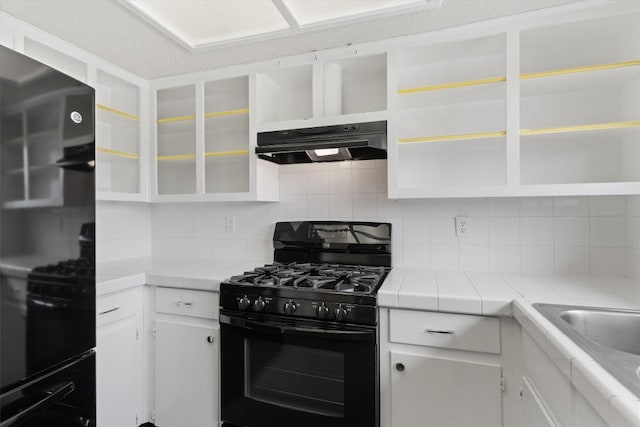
[
  {"x": 52, "y": 397},
  {"x": 280, "y": 329}
]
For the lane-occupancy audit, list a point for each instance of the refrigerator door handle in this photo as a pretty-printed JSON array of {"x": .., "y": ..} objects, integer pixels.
[{"x": 54, "y": 395}]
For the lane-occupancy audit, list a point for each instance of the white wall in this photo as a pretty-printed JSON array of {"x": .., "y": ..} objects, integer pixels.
[
  {"x": 123, "y": 230},
  {"x": 587, "y": 235}
]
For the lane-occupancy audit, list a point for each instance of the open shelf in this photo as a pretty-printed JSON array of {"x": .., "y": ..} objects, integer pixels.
[
  {"x": 459, "y": 163},
  {"x": 226, "y": 136},
  {"x": 580, "y": 46},
  {"x": 355, "y": 85},
  {"x": 452, "y": 116},
  {"x": 176, "y": 157},
  {"x": 451, "y": 85},
  {"x": 579, "y": 107},
  {"x": 597, "y": 156},
  {"x": 462, "y": 71},
  {"x": 122, "y": 154},
  {"x": 118, "y": 113},
  {"x": 118, "y": 135},
  {"x": 178, "y": 176},
  {"x": 458, "y": 137},
  {"x": 176, "y": 119},
  {"x": 176, "y": 140},
  {"x": 226, "y": 113},
  {"x": 226, "y": 172},
  {"x": 285, "y": 94}
]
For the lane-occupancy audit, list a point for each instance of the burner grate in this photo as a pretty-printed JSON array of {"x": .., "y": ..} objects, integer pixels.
[{"x": 308, "y": 276}]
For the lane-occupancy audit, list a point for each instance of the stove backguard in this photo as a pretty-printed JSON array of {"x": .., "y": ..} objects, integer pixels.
[{"x": 354, "y": 242}]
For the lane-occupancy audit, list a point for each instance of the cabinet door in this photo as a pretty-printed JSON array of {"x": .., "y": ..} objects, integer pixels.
[
  {"x": 430, "y": 391},
  {"x": 532, "y": 411},
  {"x": 186, "y": 374},
  {"x": 117, "y": 373}
]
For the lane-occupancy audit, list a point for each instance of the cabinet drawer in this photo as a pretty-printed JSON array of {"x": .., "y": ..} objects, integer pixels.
[
  {"x": 185, "y": 302},
  {"x": 114, "y": 307},
  {"x": 446, "y": 330}
]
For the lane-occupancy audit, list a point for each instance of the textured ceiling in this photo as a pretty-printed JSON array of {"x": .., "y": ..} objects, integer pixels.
[{"x": 111, "y": 31}]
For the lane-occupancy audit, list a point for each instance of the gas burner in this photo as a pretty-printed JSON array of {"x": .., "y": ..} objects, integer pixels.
[{"x": 353, "y": 279}]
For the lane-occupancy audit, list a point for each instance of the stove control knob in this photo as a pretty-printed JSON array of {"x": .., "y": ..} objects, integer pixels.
[
  {"x": 341, "y": 312},
  {"x": 290, "y": 307},
  {"x": 322, "y": 311},
  {"x": 244, "y": 303},
  {"x": 259, "y": 304}
]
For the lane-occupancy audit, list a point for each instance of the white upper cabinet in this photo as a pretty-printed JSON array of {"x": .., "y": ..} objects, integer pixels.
[
  {"x": 205, "y": 142},
  {"x": 580, "y": 102},
  {"x": 451, "y": 116},
  {"x": 120, "y": 157},
  {"x": 548, "y": 106},
  {"x": 324, "y": 92}
]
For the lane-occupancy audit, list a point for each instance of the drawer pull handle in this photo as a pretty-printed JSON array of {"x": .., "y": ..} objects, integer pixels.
[
  {"x": 441, "y": 331},
  {"x": 186, "y": 303},
  {"x": 109, "y": 311},
  {"x": 210, "y": 339},
  {"x": 399, "y": 367}
]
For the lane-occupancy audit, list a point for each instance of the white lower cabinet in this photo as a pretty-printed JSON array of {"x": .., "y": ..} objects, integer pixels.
[
  {"x": 547, "y": 395},
  {"x": 119, "y": 359},
  {"x": 186, "y": 359},
  {"x": 432, "y": 391},
  {"x": 440, "y": 369},
  {"x": 533, "y": 412}
]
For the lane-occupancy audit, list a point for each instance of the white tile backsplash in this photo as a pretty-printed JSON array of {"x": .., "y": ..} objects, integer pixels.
[
  {"x": 589, "y": 235},
  {"x": 124, "y": 229}
]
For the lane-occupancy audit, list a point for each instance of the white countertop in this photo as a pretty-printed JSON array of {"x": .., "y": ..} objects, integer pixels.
[
  {"x": 514, "y": 294},
  {"x": 493, "y": 294},
  {"x": 201, "y": 274}
]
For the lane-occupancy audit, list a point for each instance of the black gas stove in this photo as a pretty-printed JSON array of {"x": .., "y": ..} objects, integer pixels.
[
  {"x": 299, "y": 337},
  {"x": 325, "y": 270}
]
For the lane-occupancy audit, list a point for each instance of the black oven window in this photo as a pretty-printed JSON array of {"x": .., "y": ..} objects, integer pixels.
[{"x": 295, "y": 377}]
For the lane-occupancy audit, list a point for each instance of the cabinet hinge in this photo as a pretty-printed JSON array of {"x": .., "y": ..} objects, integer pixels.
[
  {"x": 153, "y": 416},
  {"x": 154, "y": 332},
  {"x": 502, "y": 386},
  {"x": 136, "y": 419},
  {"x": 137, "y": 334}
]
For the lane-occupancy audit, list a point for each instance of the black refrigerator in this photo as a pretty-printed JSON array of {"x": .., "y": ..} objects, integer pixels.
[{"x": 47, "y": 246}]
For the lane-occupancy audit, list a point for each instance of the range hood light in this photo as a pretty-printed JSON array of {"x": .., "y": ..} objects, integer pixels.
[
  {"x": 329, "y": 154},
  {"x": 326, "y": 152}
]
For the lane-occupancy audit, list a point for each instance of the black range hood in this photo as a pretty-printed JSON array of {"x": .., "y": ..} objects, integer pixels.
[{"x": 356, "y": 141}]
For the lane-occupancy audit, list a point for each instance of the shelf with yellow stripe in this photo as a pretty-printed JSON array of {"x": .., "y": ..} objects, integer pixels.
[
  {"x": 594, "y": 127},
  {"x": 206, "y": 155},
  {"x": 118, "y": 153},
  {"x": 118, "y": 113},
  {"x": 206, "y": 116},
  {"x": 608, "y": 70}
]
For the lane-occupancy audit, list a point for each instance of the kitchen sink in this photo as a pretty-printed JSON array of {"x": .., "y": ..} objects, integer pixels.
[{"x": 610, "y": 336}]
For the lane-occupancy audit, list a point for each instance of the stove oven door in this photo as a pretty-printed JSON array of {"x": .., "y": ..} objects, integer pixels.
[{"x": 291, "y": 373}]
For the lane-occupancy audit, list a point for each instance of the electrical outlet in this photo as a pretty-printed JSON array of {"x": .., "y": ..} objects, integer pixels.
[
  {"x": 462, "y": 226},
  {"x": 230, "y": 224}
]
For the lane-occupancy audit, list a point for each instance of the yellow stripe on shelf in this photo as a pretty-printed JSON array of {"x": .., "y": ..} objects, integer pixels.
[
  {"x": 226, "y": 113},
  {"x": 580, "y": 128},
  {"x": 584, "y": 69},
  {"x": 117, "y": 153},
  {"x": 118, "y": 112},
  {"x": 178, "y": 157},
  {"x": 175, "y": 119},
  {"x": 451, "y": 85},
  {"x": 452, "y": 137},
  {"x": 226, "y": 153}
]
